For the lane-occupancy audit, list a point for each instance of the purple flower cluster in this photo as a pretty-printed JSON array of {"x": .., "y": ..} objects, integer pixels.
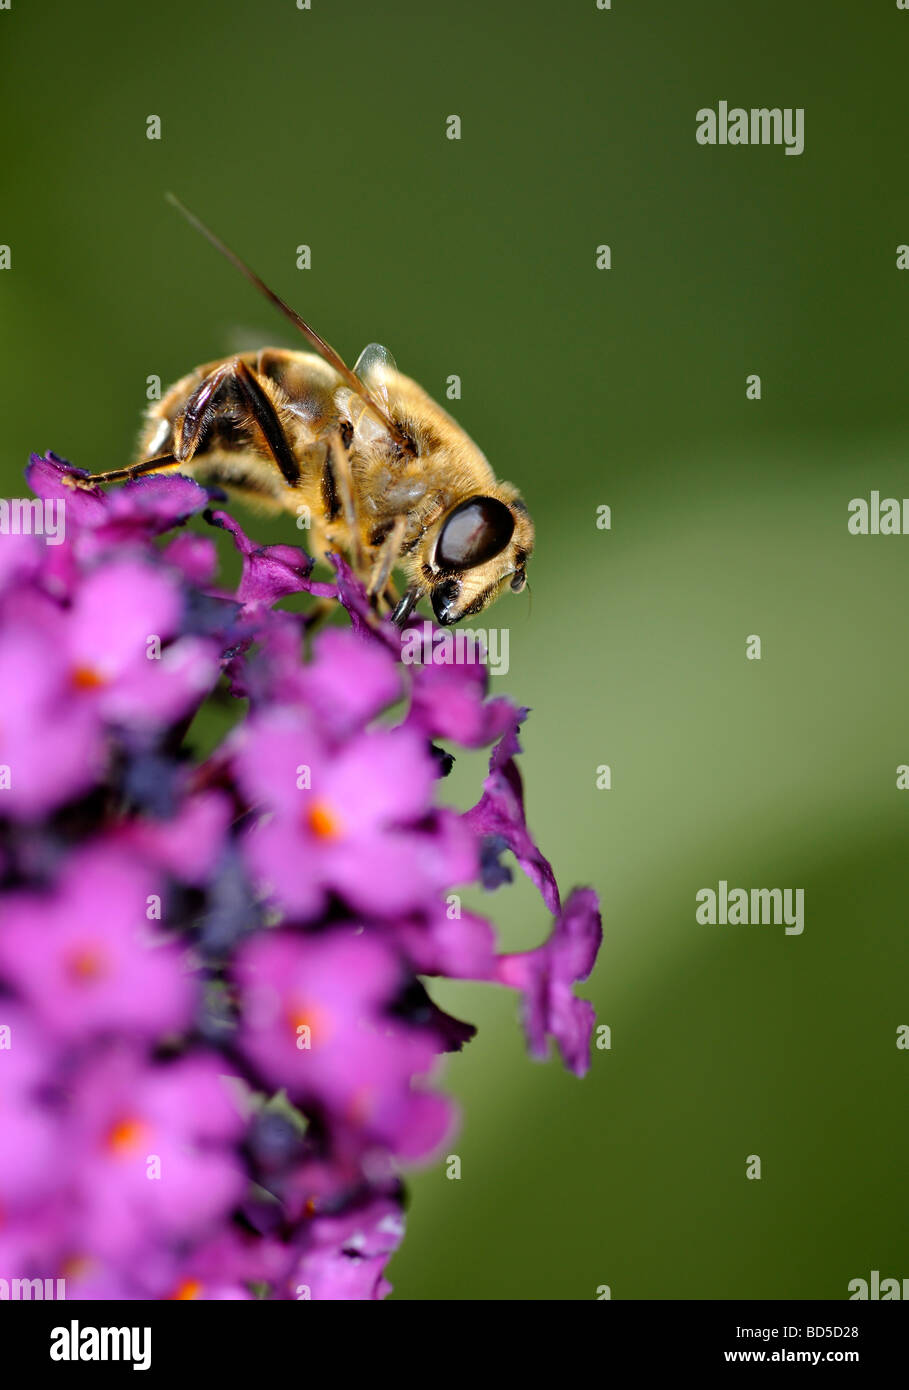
[{"x": 216, "y": 1046}]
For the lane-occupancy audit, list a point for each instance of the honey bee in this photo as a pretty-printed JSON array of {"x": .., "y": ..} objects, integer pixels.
[{"x": 381, "y": 470}]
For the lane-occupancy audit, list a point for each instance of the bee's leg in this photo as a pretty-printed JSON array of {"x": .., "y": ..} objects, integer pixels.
[
  {"x": 391, "y": 548},
  {"x": 194, "y": 419},
  {"x": 195, "y": 415},
  {"x": 118, "y": 475},
  {"x": 404, "y": 609},
  {"x": 340, "y": 466}
]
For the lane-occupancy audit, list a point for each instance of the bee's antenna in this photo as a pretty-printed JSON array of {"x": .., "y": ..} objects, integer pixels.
[
  {"x": 529, "y": 598},
  {"x": 324, "y": 349}
]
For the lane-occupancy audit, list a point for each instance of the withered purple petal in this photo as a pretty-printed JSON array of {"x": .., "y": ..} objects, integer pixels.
[{"x": 500, "y": 813}]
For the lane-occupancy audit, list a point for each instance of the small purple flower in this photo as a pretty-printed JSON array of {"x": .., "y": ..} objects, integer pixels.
[
  {"x": 315, "y": 1018},
  {"x": 152, "y": 1151},
  {"x": 346, "y": 819},
  {"x": 72, "y": 673},
  {"x": 85, "y": 957},
  {"x": 118, "y": 648},
  {"x": 50, "y": 748}
]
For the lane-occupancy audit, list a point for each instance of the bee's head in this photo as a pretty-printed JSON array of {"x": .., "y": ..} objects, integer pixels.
[{"x": 475, "y": 551}]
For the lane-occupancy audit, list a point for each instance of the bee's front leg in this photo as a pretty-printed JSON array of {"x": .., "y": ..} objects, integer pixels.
[
  {"x": 388, "y": 554},
  {"x": 187, "y": 435},
  {"x": 236, "y": 380},
  {"x": 121, "y": 475},
  {"x": 339, "y": 464},
  {"x": 405, "y": 607}
]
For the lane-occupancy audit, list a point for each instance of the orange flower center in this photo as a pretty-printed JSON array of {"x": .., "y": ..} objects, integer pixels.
[
  {"x": 85, "y": 964},
  {"x": 322, "y": 821},
  {"x": 74, "y": 1266},
  {"x": 125, "y": 1135},
  {"x": 302, "y": 1016},
  {"x": 86, "y": 678},
  {"x": 187, "y": 1289}
]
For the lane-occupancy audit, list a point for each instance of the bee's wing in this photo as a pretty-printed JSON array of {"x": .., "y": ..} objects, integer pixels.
[{"x": 372, "y": 366}]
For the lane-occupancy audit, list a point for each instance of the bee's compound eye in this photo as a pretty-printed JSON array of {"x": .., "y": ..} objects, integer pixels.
[{"x": 473, "y": 533}]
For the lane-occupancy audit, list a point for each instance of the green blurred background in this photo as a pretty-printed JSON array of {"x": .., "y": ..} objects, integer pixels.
[{"x": 625, "y": 387}]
